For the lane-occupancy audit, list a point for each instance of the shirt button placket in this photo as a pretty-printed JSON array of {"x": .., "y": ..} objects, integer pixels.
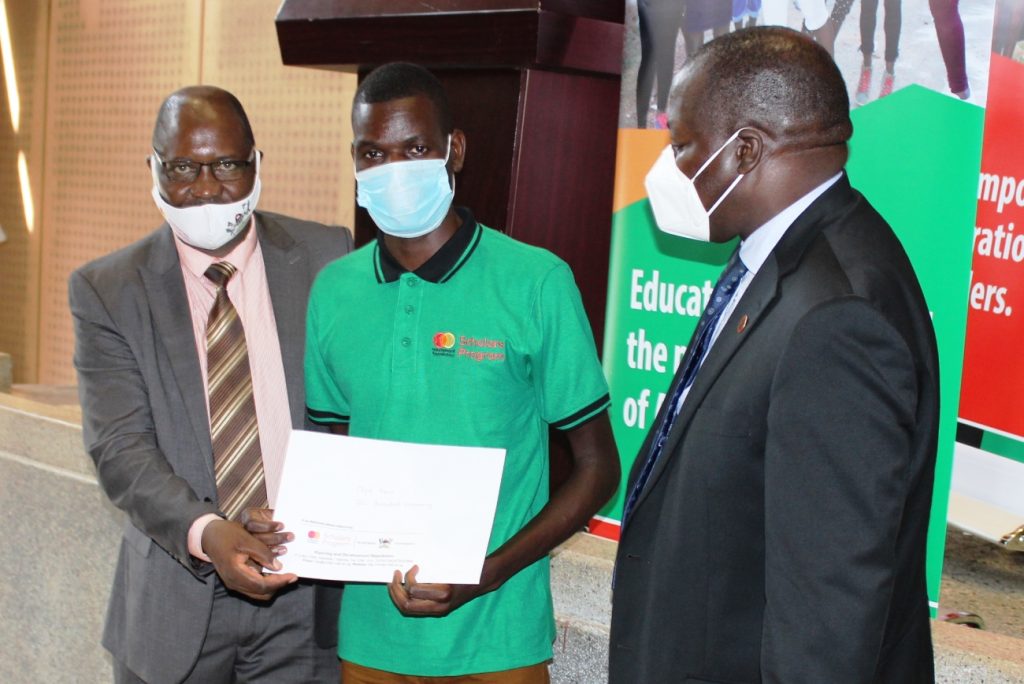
[{"x": 407, "y": 336}]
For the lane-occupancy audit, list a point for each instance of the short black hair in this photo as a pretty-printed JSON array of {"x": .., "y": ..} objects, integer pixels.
[
  {"x": 776, "y": 79},
  {"x": 396, "y": 80}
]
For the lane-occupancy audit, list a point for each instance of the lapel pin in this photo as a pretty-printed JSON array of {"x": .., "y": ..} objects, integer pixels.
[{"x": 742, "y": 324}]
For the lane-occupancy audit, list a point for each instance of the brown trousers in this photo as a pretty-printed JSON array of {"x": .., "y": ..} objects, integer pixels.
[{"x": 357, "y": 674}]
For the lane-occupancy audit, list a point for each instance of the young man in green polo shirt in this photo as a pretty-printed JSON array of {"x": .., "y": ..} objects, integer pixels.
[{"x": 444, "y": 331}]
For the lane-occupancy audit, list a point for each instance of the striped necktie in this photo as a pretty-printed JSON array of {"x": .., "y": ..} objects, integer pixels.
[
  {"x": 237, "y": 460},
  {"x": 720, "y": 297}
]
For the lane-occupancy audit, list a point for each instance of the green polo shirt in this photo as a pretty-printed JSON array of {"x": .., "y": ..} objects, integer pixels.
[{"x": 484, "y": 345}]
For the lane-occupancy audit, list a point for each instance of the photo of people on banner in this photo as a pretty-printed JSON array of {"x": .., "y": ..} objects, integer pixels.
[
  {"x": 879, "y": 45},
  {"x": 1008, "y": 33}
]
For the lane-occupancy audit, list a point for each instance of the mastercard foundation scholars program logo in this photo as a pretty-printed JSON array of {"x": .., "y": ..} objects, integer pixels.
[
  {"x": 444, "y": 340},
  {"x": 472, "y": 348}
]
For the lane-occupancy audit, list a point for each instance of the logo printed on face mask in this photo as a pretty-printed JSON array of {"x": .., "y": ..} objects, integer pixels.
[
  {"x": 678, "y": 209},
  {"x": 407, "y": 199}
]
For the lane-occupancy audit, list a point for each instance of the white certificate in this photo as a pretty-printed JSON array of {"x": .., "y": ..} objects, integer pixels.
[{"x": 362, "y": 508}]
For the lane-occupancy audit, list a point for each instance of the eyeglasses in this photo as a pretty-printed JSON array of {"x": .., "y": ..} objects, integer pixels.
[{"x": 186, "y": 170}]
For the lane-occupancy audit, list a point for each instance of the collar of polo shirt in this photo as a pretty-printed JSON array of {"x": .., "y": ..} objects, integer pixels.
[{"x": 440, "y": 267}]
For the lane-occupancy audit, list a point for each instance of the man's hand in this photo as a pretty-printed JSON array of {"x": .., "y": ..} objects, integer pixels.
[
  {"x": 239, "y": 558},
  {"x": 260, "y": 523},
  {"x": 429, "y": 600},
  {"x": 593, "y": 479}
]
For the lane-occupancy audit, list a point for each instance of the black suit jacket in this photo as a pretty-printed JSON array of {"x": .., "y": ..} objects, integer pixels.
[
  {"x": 781, "y": 536},
  {"x": 145, "y": 426}
]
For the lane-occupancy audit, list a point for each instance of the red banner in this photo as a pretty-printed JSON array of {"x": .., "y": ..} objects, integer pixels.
[{"x": 993, "y": 379}]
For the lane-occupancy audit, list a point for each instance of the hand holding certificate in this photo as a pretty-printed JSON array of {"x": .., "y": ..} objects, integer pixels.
[{"x": 362, "y": 508}]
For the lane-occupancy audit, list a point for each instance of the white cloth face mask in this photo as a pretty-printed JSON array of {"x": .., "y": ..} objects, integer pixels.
[
  {"x": 208, "y": 226},
  {"x": 677, "y": 207}
]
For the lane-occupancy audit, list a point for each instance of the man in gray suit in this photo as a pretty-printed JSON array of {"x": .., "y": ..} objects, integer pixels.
[{"x": 189, "y": 601}]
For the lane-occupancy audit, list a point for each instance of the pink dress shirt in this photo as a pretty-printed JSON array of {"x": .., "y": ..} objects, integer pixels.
[{"x": 250, "y": 295}]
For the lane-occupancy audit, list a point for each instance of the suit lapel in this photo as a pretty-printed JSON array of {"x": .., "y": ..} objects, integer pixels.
[
  {"x": 288, "y": 279},
  {"x": 754, "y": 304},
  {"x": 172, "y": 322}
]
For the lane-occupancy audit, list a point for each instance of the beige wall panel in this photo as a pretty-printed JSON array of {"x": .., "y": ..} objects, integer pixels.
[
  {"x": 111, "y": 63},
  {"x": 19, "y": 256},
  {"x": 300, "y": 116}
]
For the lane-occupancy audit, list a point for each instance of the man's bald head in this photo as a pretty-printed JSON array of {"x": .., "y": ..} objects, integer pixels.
[
  {"x": 197, "y": 105},
  {"x": 774, "y": 79}
]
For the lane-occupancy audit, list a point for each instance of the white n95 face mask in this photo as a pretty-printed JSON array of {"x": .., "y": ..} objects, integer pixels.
[
  {"x": 208, "y": 226},
  {"x": 677, "y": 207}
]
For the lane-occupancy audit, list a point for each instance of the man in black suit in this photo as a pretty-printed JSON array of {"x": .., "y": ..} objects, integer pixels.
[
  {"x": 189, "y": 603},
  {"x": 776, "y": 520}
]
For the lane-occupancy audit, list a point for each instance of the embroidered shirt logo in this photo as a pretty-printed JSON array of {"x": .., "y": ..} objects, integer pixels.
[
  {"x": 444, "y": 344},
  {"x": 468, "y": 347},
  {"x": 444, "y": 340}
]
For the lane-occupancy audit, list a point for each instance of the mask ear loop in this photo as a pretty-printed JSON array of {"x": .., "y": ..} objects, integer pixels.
[
  {"x": 725, "y": 194},
  {"x": 447, "y": 154},
  {"x": 715, "y": 155},
  {"x": 711, "y": 159},
  {"x": 153, "y": 161}
]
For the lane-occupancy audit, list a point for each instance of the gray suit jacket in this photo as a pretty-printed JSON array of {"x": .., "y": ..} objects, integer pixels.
[
  {"x": 145, "y": 426},
  {"x": 781, "y": 536}
]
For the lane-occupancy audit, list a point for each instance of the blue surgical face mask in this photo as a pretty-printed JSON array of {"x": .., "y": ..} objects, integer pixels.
[{"x": 407, "y": 199}]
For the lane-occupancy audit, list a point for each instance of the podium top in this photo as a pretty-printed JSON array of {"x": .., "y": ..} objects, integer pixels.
[
  {"x": 606, "y": 10},
  {"x": 563, "y": 35}
]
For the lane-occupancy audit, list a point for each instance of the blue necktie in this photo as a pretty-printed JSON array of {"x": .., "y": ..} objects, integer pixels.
[{"x": 720, "y": 297}]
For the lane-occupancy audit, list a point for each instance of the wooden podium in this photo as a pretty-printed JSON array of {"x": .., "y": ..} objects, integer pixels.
[{"x": 535, "y": 86}]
